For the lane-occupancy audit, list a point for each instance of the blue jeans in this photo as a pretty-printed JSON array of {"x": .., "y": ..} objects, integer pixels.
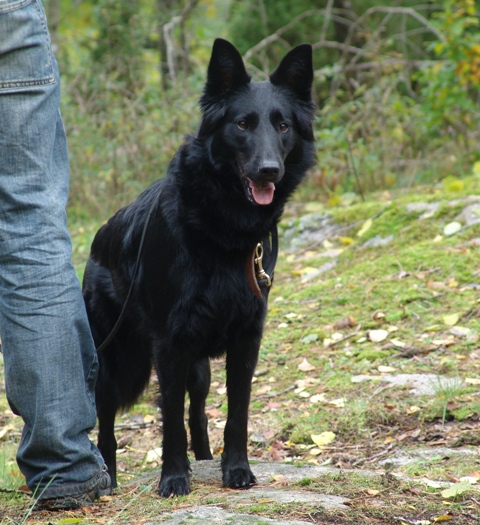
[{"x": 50, "y": 359}]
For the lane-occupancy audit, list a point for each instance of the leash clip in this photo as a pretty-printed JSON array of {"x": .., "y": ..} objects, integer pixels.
[{"x": 261, "y": 274}]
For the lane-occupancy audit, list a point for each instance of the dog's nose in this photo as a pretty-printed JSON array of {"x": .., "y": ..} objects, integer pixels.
[{"x": 269, "y": 171}]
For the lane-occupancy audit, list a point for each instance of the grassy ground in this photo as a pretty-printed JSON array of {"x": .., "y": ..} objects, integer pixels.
[{"x": 319, "y": 396}]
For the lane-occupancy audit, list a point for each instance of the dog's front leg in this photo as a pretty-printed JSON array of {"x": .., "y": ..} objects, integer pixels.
[
  {"x": 241, "y": 362},
  {"x": 172, "y": 376}
]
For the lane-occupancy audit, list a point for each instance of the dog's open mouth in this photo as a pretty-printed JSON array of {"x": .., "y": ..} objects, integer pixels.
[{"x": 260, "y": 192}]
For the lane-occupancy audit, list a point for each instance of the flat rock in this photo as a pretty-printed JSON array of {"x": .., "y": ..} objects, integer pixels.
[
  {"x": 200, "y": 515},
  {"x": 421, "y": 384}
]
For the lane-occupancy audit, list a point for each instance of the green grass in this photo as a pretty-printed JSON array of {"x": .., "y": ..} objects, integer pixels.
[{"x": 410, "y": 288}]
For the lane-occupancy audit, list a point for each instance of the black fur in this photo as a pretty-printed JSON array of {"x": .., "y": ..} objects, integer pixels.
[{"x": 191, "y": 300}]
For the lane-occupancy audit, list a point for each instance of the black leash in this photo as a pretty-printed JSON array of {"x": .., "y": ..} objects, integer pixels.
[{"x": 121, "y": 317}]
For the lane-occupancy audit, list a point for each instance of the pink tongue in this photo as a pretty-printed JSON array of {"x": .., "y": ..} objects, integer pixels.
[{"x": 262, "y": 191}]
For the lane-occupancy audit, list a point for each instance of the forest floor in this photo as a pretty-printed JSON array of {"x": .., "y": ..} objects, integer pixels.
[{"x": 366, "y": 400}]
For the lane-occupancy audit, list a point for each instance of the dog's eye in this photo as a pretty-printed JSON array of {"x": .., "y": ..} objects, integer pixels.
[
  {"x": 242, "y": 124},
  {"x": 283, "y": 127}
]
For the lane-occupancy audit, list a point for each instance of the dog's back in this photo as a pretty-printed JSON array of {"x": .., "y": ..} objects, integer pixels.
[{"x": 193, "y": 297}]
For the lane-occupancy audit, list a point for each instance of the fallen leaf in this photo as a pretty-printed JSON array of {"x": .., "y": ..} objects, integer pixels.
[
  {"x": 346, "y": 241},
  {"x": 277, "y": 478},
  {"x": 365, "y": 227},
  {"x": 153, "y": 455},
  {"x": 413, "y": 409},
  {"x": 325, "y": 438},
  {"x": 339, "y": 402},
  {"x": 386, "y": 369},
  {"x": 311, "y": 338},
  {"x": 457, "y": 489},
  {"x": 305, "y": 366},
  {"x": 472, "y": 380},
  {"x": 452, "y": 228},
  {"x": 451, "y": 319},
  {"x": 304, "y": 271},
  {"x": 472, "y": 479},
  {"x": 443, "y": 517},
  {"x": 377, "y": 336},
  {"x": 345, "y": 323},
  {"x": 6, "y": 429},
  {"x": 460, "y": 331},
  {"x": 263, "y": 390},
  {"x": 318, "y": 398}
]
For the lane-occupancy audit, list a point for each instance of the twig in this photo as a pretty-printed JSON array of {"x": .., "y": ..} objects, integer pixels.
[
  {"x": 348, "y": 336},
  {"x": 275, "y": 394},
  {"x": 375, "y": 456},
  {"x": 354, "y": 168}
]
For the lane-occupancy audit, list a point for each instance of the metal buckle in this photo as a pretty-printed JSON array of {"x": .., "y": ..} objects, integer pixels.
[{"x": 261, "y": 274}]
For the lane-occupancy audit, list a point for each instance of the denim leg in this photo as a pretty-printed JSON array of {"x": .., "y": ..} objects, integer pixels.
[{"x": 50, "y": 359}]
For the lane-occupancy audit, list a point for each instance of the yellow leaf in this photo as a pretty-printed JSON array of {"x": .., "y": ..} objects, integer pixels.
[
  {"x": 443, "y": 517},
  {"x": 451, "y": 319},
  {"x": 413, "y": 410},
  {"x": 304, "y": 271},
  {"x": 346, "y": 241},
  {"x": 334, "y": 201},
  {"x": 366, "y": 226},
  {"x": 476, "y": 168},
  {"x": 325, "y": 438}
]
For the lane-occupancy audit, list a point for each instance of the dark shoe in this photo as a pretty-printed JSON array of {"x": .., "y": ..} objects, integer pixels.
[{"x": 77, "y": 501}]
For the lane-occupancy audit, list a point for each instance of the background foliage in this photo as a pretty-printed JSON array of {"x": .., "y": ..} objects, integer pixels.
[{"x": 396, "y": 85}]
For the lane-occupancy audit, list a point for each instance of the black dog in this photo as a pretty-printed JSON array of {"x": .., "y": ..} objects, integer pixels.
[{"x": 195, "y": 295}]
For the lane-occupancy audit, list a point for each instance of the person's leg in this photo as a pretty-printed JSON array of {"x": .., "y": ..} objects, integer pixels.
[{"x": 50, "y": 359}]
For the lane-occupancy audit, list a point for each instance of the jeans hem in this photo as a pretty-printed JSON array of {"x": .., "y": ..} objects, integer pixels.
[{"x": 45, "y": 491}]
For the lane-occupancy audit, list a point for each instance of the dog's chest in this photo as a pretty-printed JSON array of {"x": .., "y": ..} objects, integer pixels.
[{"x": 216, "y": 306}]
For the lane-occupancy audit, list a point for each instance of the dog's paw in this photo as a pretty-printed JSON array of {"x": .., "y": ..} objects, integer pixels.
[
  {"x": 238, "y": 478},
  {"x": 174, "y": 486}
]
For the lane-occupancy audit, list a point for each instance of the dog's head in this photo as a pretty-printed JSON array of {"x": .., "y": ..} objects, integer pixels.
[{"x": 258, "y": 129}]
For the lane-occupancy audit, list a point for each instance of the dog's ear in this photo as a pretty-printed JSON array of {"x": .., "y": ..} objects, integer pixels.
[
  {"x": 226, "y": 70},
  {"x": 296, "y": 72}
]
